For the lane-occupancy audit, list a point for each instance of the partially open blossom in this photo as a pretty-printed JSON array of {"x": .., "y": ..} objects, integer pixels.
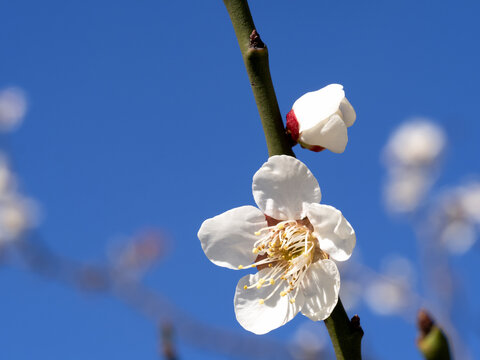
[
  {"x": 319, "y": 119},
  {"x": 291, "y": 240}
]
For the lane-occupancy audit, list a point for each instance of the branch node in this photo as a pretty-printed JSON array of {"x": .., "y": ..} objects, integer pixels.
[
  {"x": 424, "y": 323},
  {"x": 355, "y": 324},
  {"x": 255, "y": 41}
]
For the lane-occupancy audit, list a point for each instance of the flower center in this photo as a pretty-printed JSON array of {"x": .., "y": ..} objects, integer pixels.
[{"x": 286, "y": 249}]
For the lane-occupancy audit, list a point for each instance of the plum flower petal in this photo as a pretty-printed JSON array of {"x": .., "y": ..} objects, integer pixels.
[
  {"x": 331, "y": 134},
  {"x": 320, "y": 289},
  {"x": 348, "y": 112},
  {"x": 227, "y": 239},
  {"x": 334, "y": 233},
  {"x": 283, "y": 187},
  {"x": 319, "y": 119},
  {"x": 260, "y": 310}
]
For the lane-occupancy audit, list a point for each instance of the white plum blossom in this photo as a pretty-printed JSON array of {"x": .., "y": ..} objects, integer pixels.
[
  {"x": 291, "y": 240},
  {"x": 319, "y": 119}
]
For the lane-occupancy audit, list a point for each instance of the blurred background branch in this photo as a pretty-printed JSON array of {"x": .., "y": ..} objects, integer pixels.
[{"x": 117, "y": 278}]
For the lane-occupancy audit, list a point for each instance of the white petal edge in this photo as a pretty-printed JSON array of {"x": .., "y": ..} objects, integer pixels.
[
  {"x": 273, "y": 313},
  {"x": 348, "y": 113},
  {"x": 313, "y": 107},
  {"x": 334, "y": 233},
  {"x": 283, "y": 186},
  {"x": 320, "y": 289},
  {"x": 330, "y": 134},
  {"x": 227, "y": 239}
]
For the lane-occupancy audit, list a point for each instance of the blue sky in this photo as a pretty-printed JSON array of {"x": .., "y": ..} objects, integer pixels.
[{"x": 141, "y": 115}]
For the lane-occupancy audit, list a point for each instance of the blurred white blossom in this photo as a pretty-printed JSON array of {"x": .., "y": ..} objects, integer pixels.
[
  {"x": 350, "y": 293},
  {"x": 469, "y": 197},
  {"x": 387, "y": 296},
  {"x": 134, "y": 256},
  {"x": 411, "y": 157},
  {"x": 391, "y": 292},
  {"x": 458, "y": 236},
  {"x": 418, "y": 142},
  {"x": 7, "y": 179},
  {"x": 17, "y": 213},
  {"x": 13, "y": 106},
  {"x": 405, "y": 188},
  {"x": 309, "y": 341},
  {"x": 457, "y": 217}
]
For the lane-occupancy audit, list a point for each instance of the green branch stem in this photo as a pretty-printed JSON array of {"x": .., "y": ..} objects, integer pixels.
[
  {"x": 255, "y": 56},
  {"x": 346, "y": 334}
]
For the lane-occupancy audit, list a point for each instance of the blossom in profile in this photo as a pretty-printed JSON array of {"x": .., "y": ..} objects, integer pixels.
[
  {"x": 319, "y": 119},
  {"x": 13, "y": 106},
  {"x": 291, "y": 240}
]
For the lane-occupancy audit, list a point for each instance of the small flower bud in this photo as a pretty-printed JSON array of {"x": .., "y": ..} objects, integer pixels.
[{"x": 319, "y": 119}]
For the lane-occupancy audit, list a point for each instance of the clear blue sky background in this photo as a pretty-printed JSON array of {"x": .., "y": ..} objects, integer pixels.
[{"x": 141, "y": 114}]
